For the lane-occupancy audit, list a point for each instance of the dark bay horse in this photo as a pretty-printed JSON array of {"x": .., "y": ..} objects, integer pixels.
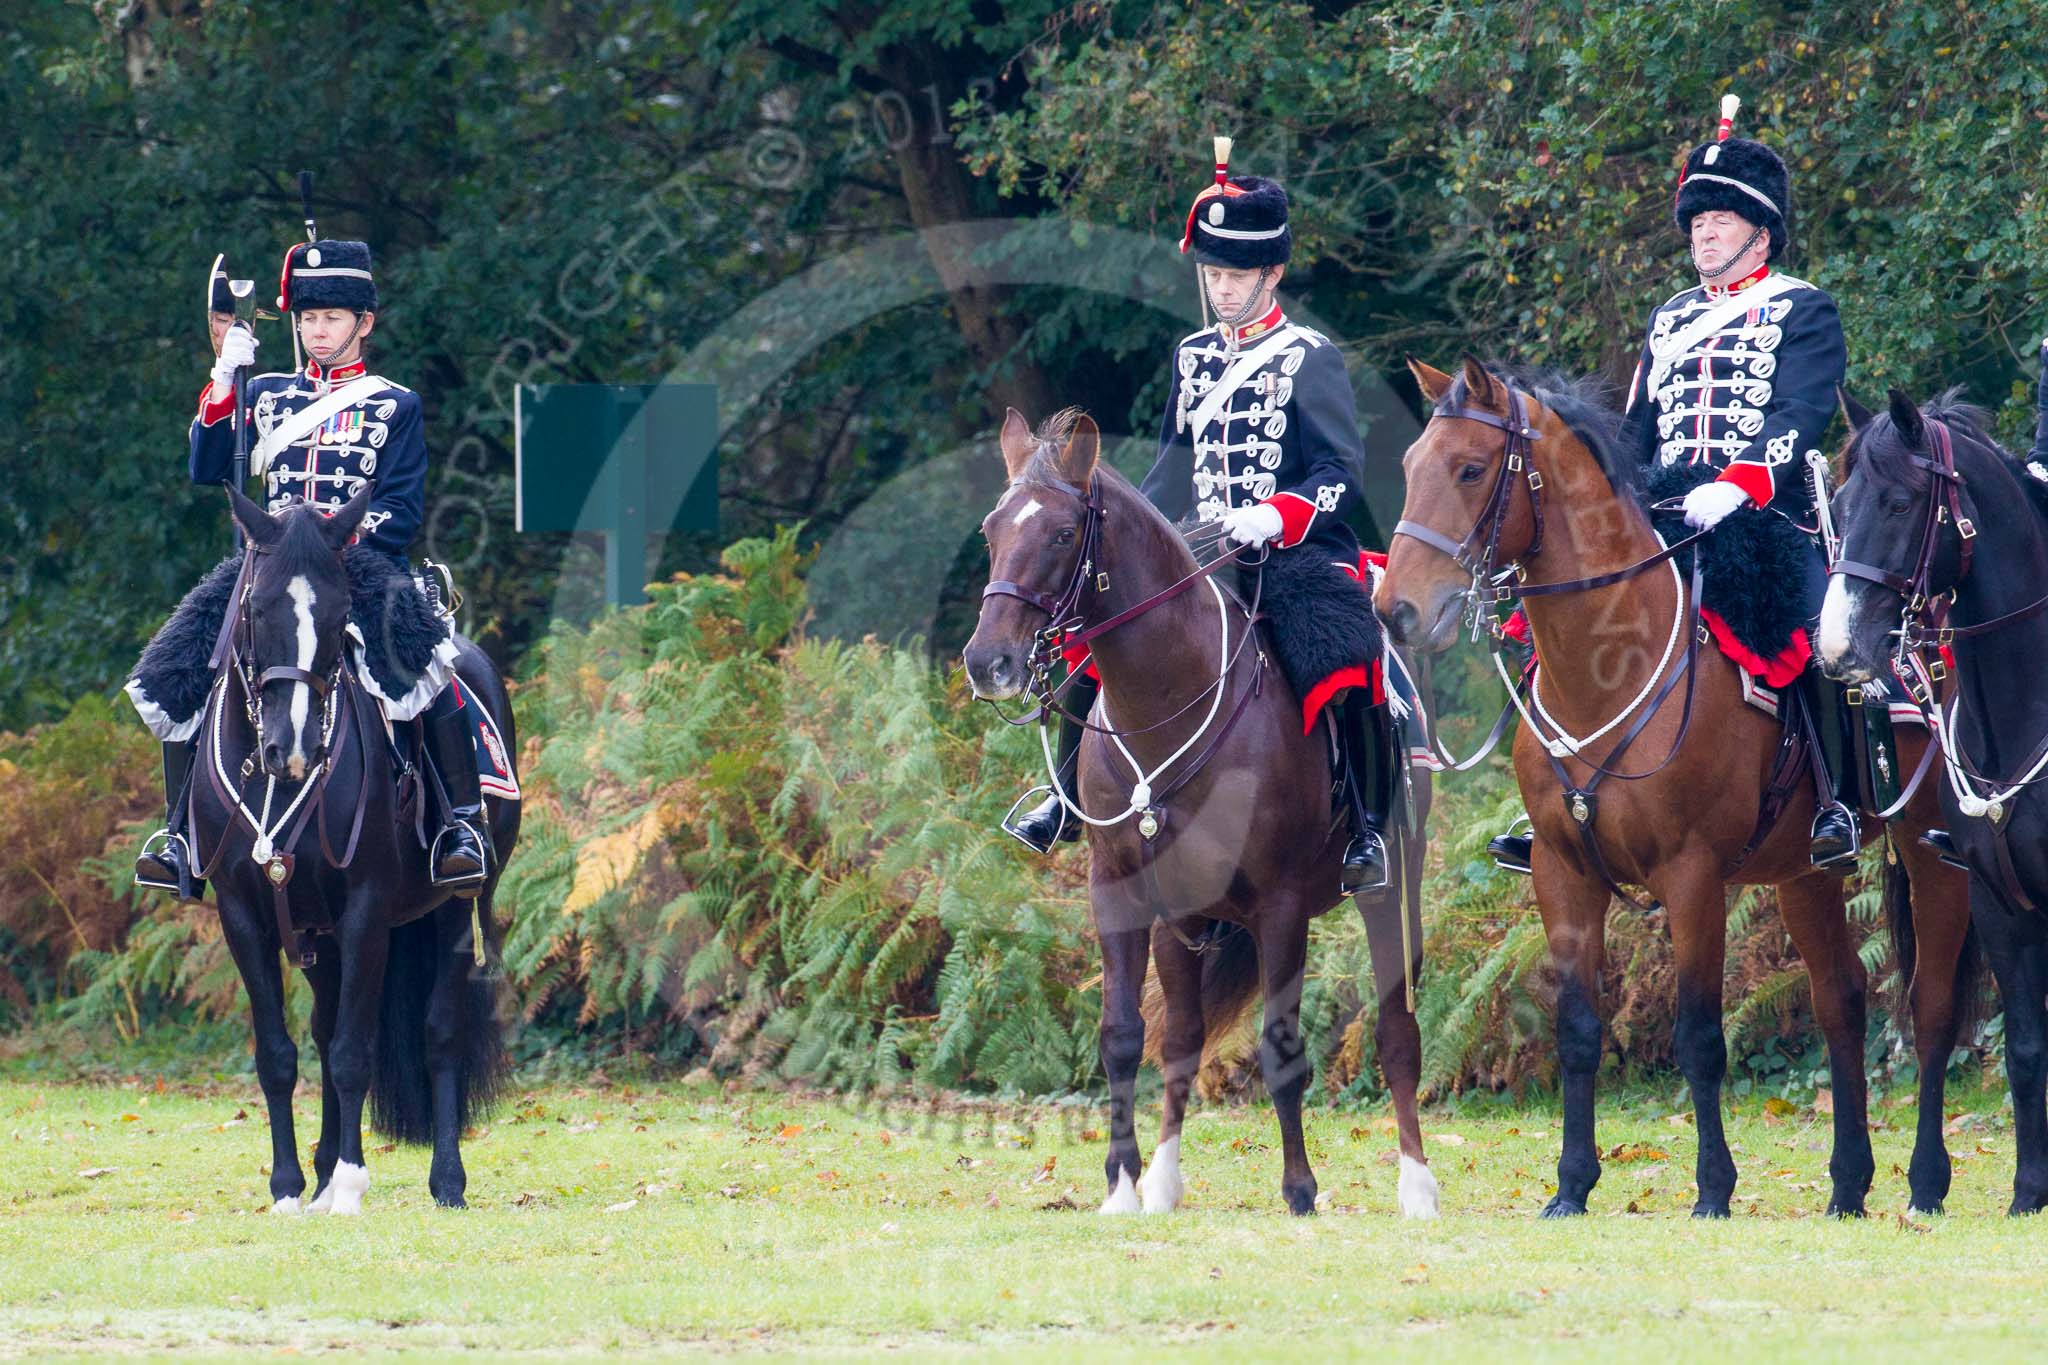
[
  {"x": 296, "y": 817},
  {"x": 1689, "y": 799},
  {"x": 1945, "y": 543},
  {"x": 1215, "y": 862}
]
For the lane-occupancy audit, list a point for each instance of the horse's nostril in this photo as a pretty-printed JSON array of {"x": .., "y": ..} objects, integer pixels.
[{"x": 1406, "y": 618}]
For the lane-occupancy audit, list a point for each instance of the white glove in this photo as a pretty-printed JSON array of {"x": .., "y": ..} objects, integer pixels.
[
  {"x": 237, "y": 348},
  {"x": 1706, "y": 505},
  {"x": 1253, "y": 525}
]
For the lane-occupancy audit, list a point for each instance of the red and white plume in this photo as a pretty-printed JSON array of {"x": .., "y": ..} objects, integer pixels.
[
  {"x": 1222, "y": 159},
  {"x": 1729, "y": 104}
]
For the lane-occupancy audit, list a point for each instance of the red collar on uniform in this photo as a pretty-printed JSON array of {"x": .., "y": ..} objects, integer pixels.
[
  {"x": 1253, "y": 330},
  {"x": 340, "y": 374},
  {"x": 1722, "y": 291}
]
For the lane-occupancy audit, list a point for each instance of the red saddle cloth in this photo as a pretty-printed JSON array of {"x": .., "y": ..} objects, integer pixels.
[
  {"x": 1368, "y": 675},
  {"x": 1780, "y": 670}
]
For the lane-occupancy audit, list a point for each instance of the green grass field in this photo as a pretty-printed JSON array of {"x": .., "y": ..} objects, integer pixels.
[{"x": 616, "y": 1219}]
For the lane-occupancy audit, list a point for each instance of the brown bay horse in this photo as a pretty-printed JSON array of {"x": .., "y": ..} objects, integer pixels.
[
  {"x": 1535, "y": 478},
  {"x": 1213, "y": 856}
]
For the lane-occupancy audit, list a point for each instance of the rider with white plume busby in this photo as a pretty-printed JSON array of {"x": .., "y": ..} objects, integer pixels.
[
  {"x": 323, "y": 434},
  {"x": 1260, "y": 434},
  {"x": 1735, "y": 385}
]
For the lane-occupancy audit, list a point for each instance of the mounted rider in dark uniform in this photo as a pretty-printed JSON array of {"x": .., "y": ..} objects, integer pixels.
[
  {"x": 1260, "y": 434},
  {"x": 321, "y": 435},
  {"x": 1739, "y": 375}
]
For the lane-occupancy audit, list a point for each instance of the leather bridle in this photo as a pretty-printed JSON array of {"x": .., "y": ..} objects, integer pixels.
[
  {"x": 1923, "y": 623},
  {"x": 1478, "y": 553}
]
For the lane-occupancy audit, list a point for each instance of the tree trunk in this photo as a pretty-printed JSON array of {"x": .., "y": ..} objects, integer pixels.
[{"x": 939, "y": 193}]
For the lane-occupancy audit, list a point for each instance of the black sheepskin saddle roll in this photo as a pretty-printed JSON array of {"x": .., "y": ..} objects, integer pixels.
[
  {"x": 1753, "y": 592},
  {"x": 1320, "y": 620},
  {"x": 405, "y": 652}
]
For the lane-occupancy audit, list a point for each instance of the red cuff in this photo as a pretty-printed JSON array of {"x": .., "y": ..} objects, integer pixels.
[
  {"x": 1753, "y": 479},
  {"x": 210, "y": 412},
  {"x": 1296, "y": 514}
]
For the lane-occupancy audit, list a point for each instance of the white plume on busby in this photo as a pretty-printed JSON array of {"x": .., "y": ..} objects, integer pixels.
[
  {"x": 1739, "y": 175},
  {"x": 1239, "y": 222},
  {"x": 327, "y": 274}
]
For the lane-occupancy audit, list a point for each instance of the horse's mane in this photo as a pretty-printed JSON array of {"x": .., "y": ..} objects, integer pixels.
[
  {"x": 1585, "y": 405},
  {"x": 1890, "y": 456}
]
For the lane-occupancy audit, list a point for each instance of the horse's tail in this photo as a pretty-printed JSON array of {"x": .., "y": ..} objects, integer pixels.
[
  {"x": 401, "y": 1087},
  {"x": 1968, "y": 986},
  {"x": 1230, "y": 986}
]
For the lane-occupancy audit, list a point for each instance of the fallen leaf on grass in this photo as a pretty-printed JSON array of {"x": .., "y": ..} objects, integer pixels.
[
  {"x": 620, "y": 1208},
  {"x": 1637, "y": 1151},
  {"x": 95, "y": 1172},
  {"x": 788, "y": 1131},
  {"x": 1448, "y": 1139},
  {"x": 1779, "y": 1107},
  {"x": 1417, "y": 1274}
]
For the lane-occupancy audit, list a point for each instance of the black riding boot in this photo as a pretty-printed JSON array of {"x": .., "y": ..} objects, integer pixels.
[
  {"x": 462, "y": 854},
  {"x": 1836, "y": 838},
  {"x": 1048, "y": 823},
  {"x": 168, "y": 866},
  {"x": 1369, "y": 775}
]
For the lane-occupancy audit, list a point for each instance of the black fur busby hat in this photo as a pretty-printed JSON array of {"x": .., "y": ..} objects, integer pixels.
[
  {"x": 327, "y": 274},
  {"x": 1738, "y": 175},
  {"x": 1240, "y": 222},
  {"x": 219, "y": 298}
]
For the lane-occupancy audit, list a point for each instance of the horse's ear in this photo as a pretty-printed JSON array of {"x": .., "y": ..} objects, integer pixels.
[
  {"x": 1016, "y": 442},
  {"x": 257, "y": 524},
  {"x": 1906, "y": 417},
  {"x": 1084, "y": 447},
  {"x": 1853, "y": 412},
  {"x": 338, "y": 528},
  {"x": 1433, "y": 382},
  {"x": 1480, "y": 383}
]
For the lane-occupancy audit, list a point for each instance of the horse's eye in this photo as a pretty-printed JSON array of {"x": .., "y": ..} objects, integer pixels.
[
  {"x": 1065, "y": 536},
  {"x": 1897, "y": 507},
  {"x": 1472, "y": 473}
]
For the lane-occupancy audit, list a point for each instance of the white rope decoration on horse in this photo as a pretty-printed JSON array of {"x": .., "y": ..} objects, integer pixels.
[{"x": 1141, "y": 792}]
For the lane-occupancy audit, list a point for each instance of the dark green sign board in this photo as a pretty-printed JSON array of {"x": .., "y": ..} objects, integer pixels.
[{"x": 633, "y": 461}]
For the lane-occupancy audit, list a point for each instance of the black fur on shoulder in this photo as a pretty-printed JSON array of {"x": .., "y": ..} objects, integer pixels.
[
  {"x": 172, "y": 669},
  {"x": 400, "y": 632},
  {"x": 1755, "y": 566},
  {"x": 400, "y": 628},
  {"x": 1320, "y": 617}
]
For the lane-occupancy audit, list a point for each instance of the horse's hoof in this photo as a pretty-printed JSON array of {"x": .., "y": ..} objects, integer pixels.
[
  {"x": 351, "y": 1182},
  {"x": 289, "y": 1204},
  {"x": 1561, "y": 1207},
  {"x": 323, "y": 1199},
  {"x": 1926, "y": 1210},
  {"x": 1122, "y": 1199},
  {"x": 1160, "y": 1188},
  {"x": 1416, "y": 1190},
  {"x": 2023, "y": 1208},
  {"x": 451, "y": 1201},
  {"x": 1300, "y": 1196},
  {"x": 1839, "y": 1209},
  {"x": 1703, "y": 1209}
]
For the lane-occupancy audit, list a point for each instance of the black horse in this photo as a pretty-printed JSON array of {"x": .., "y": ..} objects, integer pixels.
[
  {"x": 1945, "y": 544},
  {"x": 312, "y": 839}
]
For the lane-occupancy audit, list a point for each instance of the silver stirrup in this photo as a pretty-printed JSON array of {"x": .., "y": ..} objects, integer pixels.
[
  {"x": 434, "y": 857},
  {"x": 167, "y": 836},
  {"x": 1043, "y": 789}
]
